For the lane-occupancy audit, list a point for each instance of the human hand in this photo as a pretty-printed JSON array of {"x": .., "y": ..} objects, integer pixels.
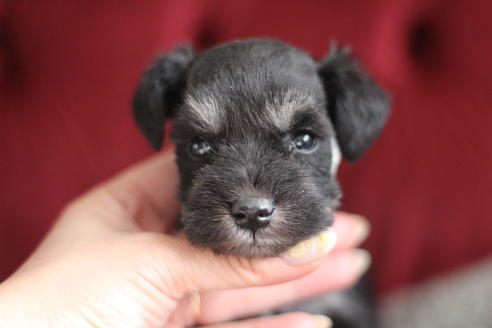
[{"x": 111, "y": 260}]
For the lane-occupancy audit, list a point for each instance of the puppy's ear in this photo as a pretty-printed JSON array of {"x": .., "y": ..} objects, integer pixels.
[
  {"x": 357, "y": 107},
  {"x": 159, "y": 92}
]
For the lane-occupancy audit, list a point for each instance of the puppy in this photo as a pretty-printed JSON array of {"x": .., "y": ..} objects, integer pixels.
[{"x": 259, "y": 128}]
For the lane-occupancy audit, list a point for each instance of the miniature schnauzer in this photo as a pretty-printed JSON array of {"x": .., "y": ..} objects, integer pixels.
[{"x": 259, "y": 128}]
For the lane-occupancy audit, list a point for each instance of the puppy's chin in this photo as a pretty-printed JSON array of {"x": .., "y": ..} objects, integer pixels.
[{"x": 223, "y": 236}]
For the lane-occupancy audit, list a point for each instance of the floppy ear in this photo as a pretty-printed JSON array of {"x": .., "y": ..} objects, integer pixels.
[
  {"x": 357, "y": 107},
  {"x": 159, "y": 92}
]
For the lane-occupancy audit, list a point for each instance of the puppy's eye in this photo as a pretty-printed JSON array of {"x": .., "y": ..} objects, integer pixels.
[
  {"x": 200, "y": 147},
  {"x": 304, "y": 141}
]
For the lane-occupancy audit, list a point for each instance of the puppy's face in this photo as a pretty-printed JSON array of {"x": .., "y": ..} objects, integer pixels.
[{"x": 256, "y": 138}]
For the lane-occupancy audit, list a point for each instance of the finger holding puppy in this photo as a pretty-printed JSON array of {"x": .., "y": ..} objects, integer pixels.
[
  {"x": 290, "y": 320},
  {"x": 340, "y": 269}
]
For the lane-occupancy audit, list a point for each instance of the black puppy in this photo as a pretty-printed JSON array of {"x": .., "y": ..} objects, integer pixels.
[{"x": 258, "y": 127}]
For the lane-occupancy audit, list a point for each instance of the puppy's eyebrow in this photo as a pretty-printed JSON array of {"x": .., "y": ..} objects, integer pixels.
[
  {"x": 206, "y": 111},
  {"x": 185, "y": 130},
  {"x": 282, "y": 109},
  {"x": 306, "y": 118}
]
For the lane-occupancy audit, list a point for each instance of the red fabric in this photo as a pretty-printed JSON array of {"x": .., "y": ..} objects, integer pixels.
[{"x": 68, "y": 69}]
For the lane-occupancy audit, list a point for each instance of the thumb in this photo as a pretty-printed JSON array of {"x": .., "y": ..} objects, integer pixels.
[{"x": 185, "y": 268}]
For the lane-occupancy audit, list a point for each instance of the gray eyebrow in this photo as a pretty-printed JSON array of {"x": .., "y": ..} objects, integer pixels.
[
  {"x": 281, "y": 109},
  {"x": 206, "y": 111}
]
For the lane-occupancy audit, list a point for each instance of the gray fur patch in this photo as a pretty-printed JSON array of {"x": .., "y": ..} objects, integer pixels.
[
  {"x": 282, "y": 109},
  {"x": 336, "y": 157},
  {"x": 206, "y": 111}
]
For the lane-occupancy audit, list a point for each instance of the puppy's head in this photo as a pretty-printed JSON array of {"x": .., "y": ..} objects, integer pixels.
[{"x": 258, "y": 127}]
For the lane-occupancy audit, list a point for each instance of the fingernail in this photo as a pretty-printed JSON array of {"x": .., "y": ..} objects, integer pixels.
[
  {"x": 311, "y": 249},
  {"x": 322, "y": 321},
  {"x": 363, "y": 260},
  {"x": 362, "y": 228}
]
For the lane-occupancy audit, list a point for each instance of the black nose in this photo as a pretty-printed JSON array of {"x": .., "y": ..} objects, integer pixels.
[{"x": 252, "y": 212}]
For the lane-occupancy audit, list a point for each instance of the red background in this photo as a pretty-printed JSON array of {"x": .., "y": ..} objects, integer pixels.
[{"x": 68, "y": 69}]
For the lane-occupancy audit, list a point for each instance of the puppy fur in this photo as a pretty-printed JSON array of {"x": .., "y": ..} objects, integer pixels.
[{"x": 249, "y": 101}]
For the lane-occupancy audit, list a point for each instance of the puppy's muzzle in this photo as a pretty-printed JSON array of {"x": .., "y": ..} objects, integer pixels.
[{"x": 252, "y": 213}]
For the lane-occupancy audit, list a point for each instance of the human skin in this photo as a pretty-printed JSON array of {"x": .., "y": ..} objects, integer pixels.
[{"x": 112, "y": 259}]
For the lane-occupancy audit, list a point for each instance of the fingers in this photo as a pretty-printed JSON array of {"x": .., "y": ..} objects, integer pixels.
[
  {"x": 294, "y": 320},
  {"x": 352, "y": 229},
  {"x": 341, "y": 269},
  {"x": 197, "y": 269},
  {"x": 338, "y": 271}
]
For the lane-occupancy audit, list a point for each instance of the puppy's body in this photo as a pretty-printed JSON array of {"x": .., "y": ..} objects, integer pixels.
[{"x": 257, "y": 125}]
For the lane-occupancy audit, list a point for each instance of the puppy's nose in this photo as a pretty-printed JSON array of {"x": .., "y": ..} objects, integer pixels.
[{"x": 252, "y": 212}]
